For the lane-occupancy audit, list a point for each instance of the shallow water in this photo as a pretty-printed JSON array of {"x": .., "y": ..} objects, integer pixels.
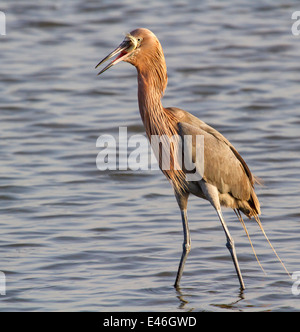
[{"x": 74, "y": 238}]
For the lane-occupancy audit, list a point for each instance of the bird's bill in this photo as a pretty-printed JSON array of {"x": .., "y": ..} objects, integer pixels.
[{"x": 123, "y": 50}]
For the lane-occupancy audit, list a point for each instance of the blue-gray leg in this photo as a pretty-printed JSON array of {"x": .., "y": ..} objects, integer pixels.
[
  {"x": 231, "y": 248},
  {"x": 211, "y": 193},
  {"x": 186, "y": 246}
]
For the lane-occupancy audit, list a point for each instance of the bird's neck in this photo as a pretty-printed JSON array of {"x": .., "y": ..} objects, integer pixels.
[
  {"x": 156, "y": 118},
  {"x": 160, "y": 122}
]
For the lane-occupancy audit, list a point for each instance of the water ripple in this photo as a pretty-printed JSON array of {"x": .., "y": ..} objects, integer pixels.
[{"x": 74, "y": 238}]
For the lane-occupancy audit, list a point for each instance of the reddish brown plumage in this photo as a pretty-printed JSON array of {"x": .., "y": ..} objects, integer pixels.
[{"x": 152, "y": 81}]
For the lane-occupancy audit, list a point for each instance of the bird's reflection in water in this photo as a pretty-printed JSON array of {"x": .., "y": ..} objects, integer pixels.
[
  {"x": 184, "y": 302},
  {"x": 181, "y": 298}
]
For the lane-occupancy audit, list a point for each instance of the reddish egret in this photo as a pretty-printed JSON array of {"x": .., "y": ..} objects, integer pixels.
[{"x": 226, "y": 180}]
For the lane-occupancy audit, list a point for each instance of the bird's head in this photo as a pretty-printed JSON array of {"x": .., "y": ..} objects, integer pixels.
[{"x": 139, "y": 47}]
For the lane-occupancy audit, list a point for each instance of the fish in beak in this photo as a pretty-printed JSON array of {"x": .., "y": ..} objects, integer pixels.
[{"x": 124, "y": 50}]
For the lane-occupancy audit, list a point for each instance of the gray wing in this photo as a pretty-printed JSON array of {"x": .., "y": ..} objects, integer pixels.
[{"x": 223, "y": 166}]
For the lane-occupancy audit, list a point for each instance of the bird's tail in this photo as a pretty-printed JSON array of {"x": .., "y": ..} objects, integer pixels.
[
  {"x": 265, "y": 235},
  {"x": 238, "y": 214}
]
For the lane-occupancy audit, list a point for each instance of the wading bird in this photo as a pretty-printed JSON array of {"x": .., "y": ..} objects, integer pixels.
[{"x": 226, "y": 179}]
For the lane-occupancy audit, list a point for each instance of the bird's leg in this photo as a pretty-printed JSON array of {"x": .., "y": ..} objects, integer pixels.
[
  {"x": 231, "y": 248},
  {"x": 186, "y": 246},
  {"x": 211, "y": 193}
]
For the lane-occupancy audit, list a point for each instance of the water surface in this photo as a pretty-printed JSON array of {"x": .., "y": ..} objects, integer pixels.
[{"x": 74, "y": 238}]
